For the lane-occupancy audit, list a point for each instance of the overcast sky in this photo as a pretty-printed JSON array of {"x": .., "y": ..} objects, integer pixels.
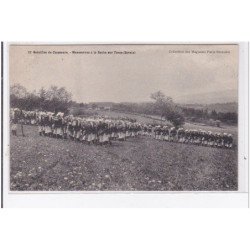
[{"x": 177, "y": 70}]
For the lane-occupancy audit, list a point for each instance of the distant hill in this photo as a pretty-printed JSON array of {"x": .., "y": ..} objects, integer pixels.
[
  {"x": 227, "y": 96},
  {"x": 218, "y": 107},
  {"x": 102, "y": 104}
]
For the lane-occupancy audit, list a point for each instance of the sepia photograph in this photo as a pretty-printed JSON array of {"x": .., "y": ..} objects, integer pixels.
[{"x": 123, "y": 117}]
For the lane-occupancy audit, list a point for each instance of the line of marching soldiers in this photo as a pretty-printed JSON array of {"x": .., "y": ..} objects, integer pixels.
[
  {"x": 193, "y": 136},
  {"x": 96, "y": 130},
  {"x": 102, "y": 130}
]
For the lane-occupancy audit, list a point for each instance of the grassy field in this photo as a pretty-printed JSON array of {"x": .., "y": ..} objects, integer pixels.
[{"x": 44, "y": 164}]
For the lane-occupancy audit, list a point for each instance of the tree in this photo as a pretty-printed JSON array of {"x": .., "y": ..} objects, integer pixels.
[
  {"x": 18, "y": 91},
  {"x": 162, "y": 103},
  {"x": 19, "y": 96},
  {"x": 214, "y": 115},
  {"x": 165, "y": 107},
  {"x": 175, "y": 116},
  {"x": 94, "y": 106},
  {"x": 161, "y": 97},
  {"x": 56, "y": 99},
  {"x": 42, "y": 93},
  {"x": 59, "y": 94}
]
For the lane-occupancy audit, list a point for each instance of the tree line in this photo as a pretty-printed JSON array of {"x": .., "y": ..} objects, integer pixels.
[
  {"x": 53, "y": 99},
  {"x": 57, "y": 99},
  {"x": 200, "y": 115}
]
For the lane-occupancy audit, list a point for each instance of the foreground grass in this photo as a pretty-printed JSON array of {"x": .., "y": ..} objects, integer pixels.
[{"x": 47, "y": 164}]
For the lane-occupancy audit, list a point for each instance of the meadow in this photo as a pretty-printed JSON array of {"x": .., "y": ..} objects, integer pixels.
[{"x": 139, "y": 164}]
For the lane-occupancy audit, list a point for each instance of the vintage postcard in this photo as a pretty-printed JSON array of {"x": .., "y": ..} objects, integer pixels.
[{"x": 123, "y": 117}]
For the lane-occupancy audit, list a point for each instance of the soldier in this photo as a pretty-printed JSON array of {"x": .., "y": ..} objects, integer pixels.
[
  {"x": 91, "y": 132},
  {"x": 64, "y": 127},
  {"x": 204, "y": 138},
  {"x": 101, "y": 130},
  {"x": 180, "y": 135},
  {"x": 83, "y": 137},
  {"x": 70, "y": 129},
  {"x": 95, "y": 132},
  {"x": 106, "y": 134},
  {"x": 216, "y": 139},
  {"x": 220, "y": 143},
  {"x": 195, "y": 136},
  {"x": 57, "y": 126},
  {"x": 165, "y": 133},
  {"x": 33, "y": 118},
  {"x": 192, "y": 135},
  {"x": 150, "y": 131},
  {"x": 172, "y": 134},
  {"x": 14, "y": 128},
  {"x": 186, "y": 136},
  {"x": 211, "y": 139},
  {"x": 157, "y": 131},
  {"x": 230, "y": 141},
  {"x": 121, "y": 131},
  {"x": 139, "y": 128},
  {"x": 128, "y": 132},
  {"x": 40, "y": 122},
  {"x": 113, "y": 130},
  {"x": 77, "y": 130},
  {"x": 48, "y": 124},
  {"x": 132, "y": 129},
  {"x": 199, "y": 136}
]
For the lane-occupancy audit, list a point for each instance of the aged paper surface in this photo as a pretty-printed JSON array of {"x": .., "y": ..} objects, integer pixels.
[{"x": 123, "y": 117}]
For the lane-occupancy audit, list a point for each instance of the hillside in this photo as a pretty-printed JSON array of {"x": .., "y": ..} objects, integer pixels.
[
  {"x": 41, "y": 163},
  {"x": 226, "y": 96},
  {"x": 218, "y": 107}
]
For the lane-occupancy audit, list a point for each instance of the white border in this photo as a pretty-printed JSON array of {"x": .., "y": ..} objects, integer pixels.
[
  {"x": 243, "y": 118},
  {"x": 139, "y": 199}
]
